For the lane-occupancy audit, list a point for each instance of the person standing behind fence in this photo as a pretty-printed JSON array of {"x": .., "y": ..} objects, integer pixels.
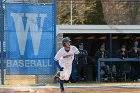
[
  {"x": 136, "y": 43},
  {"x": 82, "y": 63},
  {"x": 122, "y": 53},
  {"x": 135, "y": 53},
  {"x": 102, "y": 53}
]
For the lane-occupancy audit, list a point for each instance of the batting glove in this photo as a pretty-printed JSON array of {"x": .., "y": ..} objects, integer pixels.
[{"x": 61, "y": 69}]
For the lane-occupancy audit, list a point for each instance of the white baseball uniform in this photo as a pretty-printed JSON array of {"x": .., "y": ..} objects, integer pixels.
[{"x": 65, "y": 60}]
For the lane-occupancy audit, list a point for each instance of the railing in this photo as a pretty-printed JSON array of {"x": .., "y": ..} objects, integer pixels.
[{"x": 114, "y": 60}]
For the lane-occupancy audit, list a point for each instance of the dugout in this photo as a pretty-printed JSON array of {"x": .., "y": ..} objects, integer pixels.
[{"x": 93, "y": 36}]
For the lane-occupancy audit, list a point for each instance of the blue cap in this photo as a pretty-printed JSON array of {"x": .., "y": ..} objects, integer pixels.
[{"x": 66, "y": 39}]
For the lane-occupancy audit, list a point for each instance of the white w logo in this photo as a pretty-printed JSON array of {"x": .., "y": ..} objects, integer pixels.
[{"x": 31, "y": 24}]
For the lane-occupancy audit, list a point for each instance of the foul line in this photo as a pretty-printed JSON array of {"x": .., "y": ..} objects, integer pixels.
[{"x": 41, "y": 87}]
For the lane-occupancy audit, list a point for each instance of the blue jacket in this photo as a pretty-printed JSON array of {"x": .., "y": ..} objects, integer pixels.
[{"x": 82, "y": 57}]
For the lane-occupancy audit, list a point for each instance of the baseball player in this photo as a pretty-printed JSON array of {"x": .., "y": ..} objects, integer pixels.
[{"x": 64, "y": 59}]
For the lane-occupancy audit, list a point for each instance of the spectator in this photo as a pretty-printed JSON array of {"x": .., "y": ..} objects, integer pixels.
[
  {"x": 123, "y": 67},
  {"x": 122, "y": 53},
  {"x": 135, "y": 53},
  {"x": 102, "y": 53},
  {"x": 136, "y": 43},
  {"x": 82, "y": 62}
]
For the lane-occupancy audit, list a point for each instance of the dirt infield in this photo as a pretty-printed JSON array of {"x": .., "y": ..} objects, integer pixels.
[{"x": 73, "y": 90}]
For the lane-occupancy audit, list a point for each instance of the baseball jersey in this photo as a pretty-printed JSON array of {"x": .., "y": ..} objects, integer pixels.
[{"x": 66, "y": 57}]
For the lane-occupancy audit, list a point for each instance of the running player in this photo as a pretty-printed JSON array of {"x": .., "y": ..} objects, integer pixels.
[{"x": 64, "y": 59}]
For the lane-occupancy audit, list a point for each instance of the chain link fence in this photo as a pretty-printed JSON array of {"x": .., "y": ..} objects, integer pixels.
[
  {"x": 19, "y": 79},
  {"x": 98, "y": 12}
]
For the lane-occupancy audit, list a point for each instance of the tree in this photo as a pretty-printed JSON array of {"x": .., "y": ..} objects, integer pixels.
[
  {"x": 94, "y": 12},
  {"x": 121, "y": 12}
]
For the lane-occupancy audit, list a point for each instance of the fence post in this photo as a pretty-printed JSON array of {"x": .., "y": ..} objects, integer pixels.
[
  {"x": 2, "y": 38},
  {"x": 98, "y": 71}
]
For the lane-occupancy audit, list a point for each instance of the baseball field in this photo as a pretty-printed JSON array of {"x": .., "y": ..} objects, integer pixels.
[{"x": 74, "y": 88}]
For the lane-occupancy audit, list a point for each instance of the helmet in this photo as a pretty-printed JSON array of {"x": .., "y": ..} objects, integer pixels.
[{"x": 66, "y": 39}]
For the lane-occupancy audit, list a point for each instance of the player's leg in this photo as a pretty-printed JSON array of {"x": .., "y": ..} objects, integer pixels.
[
  {"x": 62, "y": 81},
  {"x": 57, "y": 75},
  {"x": 62, "y": 77},
  {"x": 62, "y": 85},
  {"x": 68, "y": 71}
]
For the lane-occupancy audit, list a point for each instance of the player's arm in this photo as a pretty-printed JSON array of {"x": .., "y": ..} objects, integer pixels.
[
  {"x": 58, "y": 65},
  {"x": 57, "y": 58},
  {"x": 76, "y": 52}
]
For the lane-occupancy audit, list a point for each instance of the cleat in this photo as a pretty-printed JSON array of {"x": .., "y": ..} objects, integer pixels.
[{"x": 62, "y": 90}]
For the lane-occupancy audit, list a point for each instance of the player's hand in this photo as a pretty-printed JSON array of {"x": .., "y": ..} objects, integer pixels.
[{"x": 61, "y": 69}]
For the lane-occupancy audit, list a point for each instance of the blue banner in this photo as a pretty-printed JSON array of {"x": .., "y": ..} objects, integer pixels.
[
  {"x": 30, "y": 39},
  {"x": 1, "y": 22}
]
